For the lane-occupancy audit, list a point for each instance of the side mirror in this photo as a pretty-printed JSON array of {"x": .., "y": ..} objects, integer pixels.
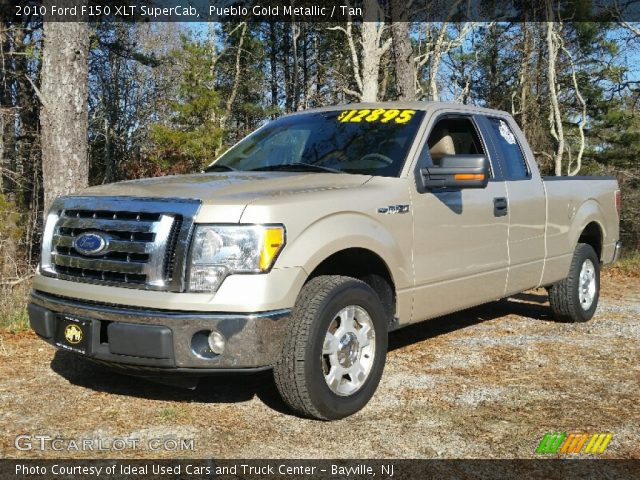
[{"x": 456, "y": 171}]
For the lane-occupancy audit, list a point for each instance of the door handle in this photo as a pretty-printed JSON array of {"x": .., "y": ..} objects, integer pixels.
[{"x": 500, "y": 207}]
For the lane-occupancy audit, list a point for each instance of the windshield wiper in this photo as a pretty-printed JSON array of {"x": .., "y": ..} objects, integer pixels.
[
  {"x": 220, "y": 167},
  {"x": 298, "y": 166}
]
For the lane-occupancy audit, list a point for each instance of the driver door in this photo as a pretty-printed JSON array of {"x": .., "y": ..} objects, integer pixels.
[{"x": 460, "y": 235}]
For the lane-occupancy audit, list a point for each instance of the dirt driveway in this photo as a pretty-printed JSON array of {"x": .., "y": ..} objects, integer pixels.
[{"x": 487, "y": 382}]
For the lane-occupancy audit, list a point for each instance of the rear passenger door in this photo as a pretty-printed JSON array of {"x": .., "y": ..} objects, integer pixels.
[
  {"x": 526, "y": 203},
  {"x": 460, "y": 235}
]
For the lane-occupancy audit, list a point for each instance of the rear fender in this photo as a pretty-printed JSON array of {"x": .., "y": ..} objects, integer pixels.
[{"x": 590, "y": 211}]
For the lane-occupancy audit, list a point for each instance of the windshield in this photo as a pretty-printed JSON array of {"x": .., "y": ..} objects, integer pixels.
[{"x": 369, "y": 142}]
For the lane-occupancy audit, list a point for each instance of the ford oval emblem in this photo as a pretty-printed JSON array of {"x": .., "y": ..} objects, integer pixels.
[{"x": 90, "y": 243}]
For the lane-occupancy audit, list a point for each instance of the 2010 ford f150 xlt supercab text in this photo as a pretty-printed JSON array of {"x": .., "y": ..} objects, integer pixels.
[{"x": 303, "y": 245}]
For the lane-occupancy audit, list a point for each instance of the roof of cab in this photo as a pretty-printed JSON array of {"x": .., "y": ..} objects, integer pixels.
[{"x": 405, "y": 105}]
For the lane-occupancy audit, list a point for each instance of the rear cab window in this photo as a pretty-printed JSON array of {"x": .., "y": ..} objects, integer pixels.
[{"x": 509, "y": 149}]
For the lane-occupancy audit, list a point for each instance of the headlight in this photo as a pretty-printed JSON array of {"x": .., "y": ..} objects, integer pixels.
[{"x": 221, "y": 250}]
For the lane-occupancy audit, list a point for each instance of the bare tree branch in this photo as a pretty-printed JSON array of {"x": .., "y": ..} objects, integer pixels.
[
  {"x": 38, "y": 93},
  {"x": 16, "y": 281},
  {"x": 436, "y": 49},
  {"x": 355, "y": 62}
]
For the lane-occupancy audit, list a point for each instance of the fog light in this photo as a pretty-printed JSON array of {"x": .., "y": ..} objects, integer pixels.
[{"x": 216, "y": 342}]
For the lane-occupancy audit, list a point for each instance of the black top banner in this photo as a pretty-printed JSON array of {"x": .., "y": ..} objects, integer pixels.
[{"x": 321, "y": 11}]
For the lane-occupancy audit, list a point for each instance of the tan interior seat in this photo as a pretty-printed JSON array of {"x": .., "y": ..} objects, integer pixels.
[{"x": 441, "y": 144}]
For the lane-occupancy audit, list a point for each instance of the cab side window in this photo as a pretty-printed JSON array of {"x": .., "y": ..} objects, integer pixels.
[
  {"x": 454, "y": 136},
  {"x": 509, "y": 150}
]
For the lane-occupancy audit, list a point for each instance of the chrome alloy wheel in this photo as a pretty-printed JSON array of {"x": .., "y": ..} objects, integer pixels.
[
  {"x": 587, "y": 284},
  {"x": 349, "y": 350}
]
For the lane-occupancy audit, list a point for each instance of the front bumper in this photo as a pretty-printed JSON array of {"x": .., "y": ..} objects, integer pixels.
[{"x": 159, "y": 339}]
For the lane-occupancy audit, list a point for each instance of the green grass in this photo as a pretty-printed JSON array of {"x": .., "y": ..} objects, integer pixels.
[
  {"x": 169, "y": 413},
  {"x": 13, "y": 309},
  {"x": 175, "y": 414},
  {"x": 16, "y": 321}
]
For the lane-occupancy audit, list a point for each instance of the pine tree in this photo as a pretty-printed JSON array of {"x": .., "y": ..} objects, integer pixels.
[{"x": 191, "y": 138}]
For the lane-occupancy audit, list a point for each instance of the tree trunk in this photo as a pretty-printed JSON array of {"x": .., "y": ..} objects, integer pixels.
[
  {"x": 286, "y": 52},
  {"x": 236, "y": 81},
  {"x": 305, "y": 69},
  {"x": 495, "y": 96},
  {"x": 373, "y": 48},
  {"x": 109, "y": 160},
  {"x": 555, "y": 116},
  {"x": 319, "y": 77},
  {"x": 295, "y": 36},
  {"x": 370, "y": 62},
  {"x": 7, "y": 103},
  {"x": 525, "y": 78},
  {"x": 404, "y": 66},
  {"x": 273, "y": 42},
  {"x": 63, "y": 117},
  {"x": 1, "y": 151},
  {"x": 436, "y": 59},
  {"x": 583, "y": 118},
  {"x": 403, "y": 62}
]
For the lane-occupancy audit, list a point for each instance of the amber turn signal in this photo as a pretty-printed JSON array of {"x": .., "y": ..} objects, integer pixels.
[
  {"x": 469, "y": 176},
  {"x": 272, "y": 242}
]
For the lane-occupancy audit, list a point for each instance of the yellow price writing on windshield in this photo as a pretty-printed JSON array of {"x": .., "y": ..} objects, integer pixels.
[{"x": 381, "y": 115}]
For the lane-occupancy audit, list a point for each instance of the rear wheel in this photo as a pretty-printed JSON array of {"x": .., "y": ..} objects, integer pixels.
[
  {"x": 335, "y": 348},
  {"x": 575, "y": 298}
]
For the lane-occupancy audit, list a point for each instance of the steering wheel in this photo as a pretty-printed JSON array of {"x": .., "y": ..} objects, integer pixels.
[
  {"x": 332, "y": 157},
  {"x": 377, "y": 156}
]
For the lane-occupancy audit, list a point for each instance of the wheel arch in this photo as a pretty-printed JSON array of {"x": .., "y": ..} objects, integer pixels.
[
  {"x": 355, "y": 237},
  {"x": 352, "y": 239},
  {"x": 588, "y": 228},
  {"x": 592, "y": 234},
  {"x": 363, "y": 264}
]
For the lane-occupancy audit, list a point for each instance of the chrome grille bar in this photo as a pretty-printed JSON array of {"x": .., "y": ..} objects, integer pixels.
[
  {"x": 133, "y": 226},
  {"x": 114, "y": 245},
  {"x": 98, "y": 264}
]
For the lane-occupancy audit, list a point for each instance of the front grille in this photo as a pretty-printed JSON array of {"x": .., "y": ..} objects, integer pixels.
[
  {"x": 133, "y": 240},
  {"x": 142, "y": 241}
]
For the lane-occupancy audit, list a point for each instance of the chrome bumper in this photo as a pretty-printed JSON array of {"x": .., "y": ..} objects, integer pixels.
[{"x": 253, "y": 340}]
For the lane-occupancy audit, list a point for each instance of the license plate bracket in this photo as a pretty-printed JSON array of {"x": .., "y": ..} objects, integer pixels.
[{"x": 73, "y": 334}]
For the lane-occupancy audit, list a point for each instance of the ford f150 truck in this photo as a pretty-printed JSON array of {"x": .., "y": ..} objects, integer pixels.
[{"x": 306, "y": 243}]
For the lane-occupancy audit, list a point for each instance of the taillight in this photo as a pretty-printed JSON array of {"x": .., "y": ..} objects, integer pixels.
[{"x": 618, "y": 201}]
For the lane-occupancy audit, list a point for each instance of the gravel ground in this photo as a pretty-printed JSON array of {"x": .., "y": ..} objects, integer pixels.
[{"x": 484, "y": 383}]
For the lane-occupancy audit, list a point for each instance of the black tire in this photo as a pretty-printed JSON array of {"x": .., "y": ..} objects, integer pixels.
[
  {"x": 299, "y": 373},
  {"x": 564, "y": 296}
]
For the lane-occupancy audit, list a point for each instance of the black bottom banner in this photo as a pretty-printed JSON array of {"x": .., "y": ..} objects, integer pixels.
[{"x": 199, "y": 469}]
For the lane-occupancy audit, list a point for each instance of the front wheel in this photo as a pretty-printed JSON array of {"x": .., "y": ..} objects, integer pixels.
[
  {"x": 335, "y": 348},
  {"x": 575, "y": 298}
]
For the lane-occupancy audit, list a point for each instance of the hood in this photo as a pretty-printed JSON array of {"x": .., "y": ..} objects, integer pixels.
[{"x": 229, "y": 187}]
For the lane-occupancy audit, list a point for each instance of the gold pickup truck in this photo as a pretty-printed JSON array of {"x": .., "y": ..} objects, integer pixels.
[{"x": 306, "y": 243}]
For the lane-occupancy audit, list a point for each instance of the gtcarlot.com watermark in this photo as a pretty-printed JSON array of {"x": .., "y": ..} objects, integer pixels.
[{"x": 116, "y": 444}]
